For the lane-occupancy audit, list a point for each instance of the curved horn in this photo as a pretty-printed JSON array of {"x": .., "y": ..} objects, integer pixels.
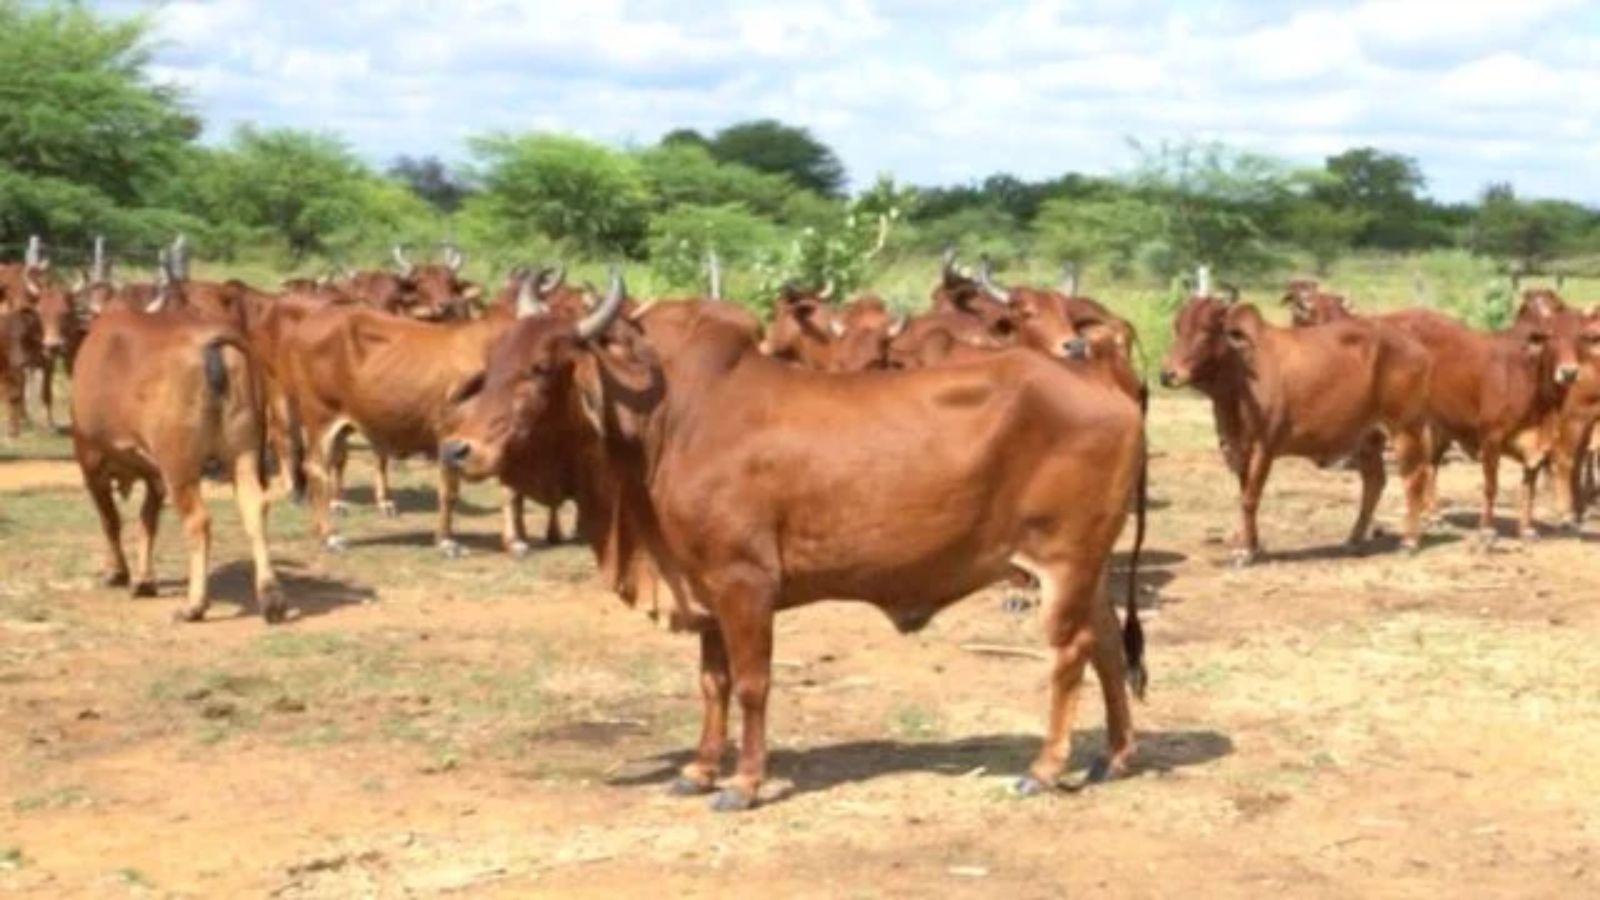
[
  {"x": 947, "y": 262},
  {"x": 594, "y": 323},
  {"x": 402, "y": 262},
  {"x": 550, "y": 279},
  {"x": 1069, "y": 278},
  {"x": 986, "y": 281},
  {"x": 714, "y": 267},
  {"x": 898, "y": 326},
  {"x": 454, "y": 259},
  {"x": 826, "y": 293},
  {"x": 529, "y": 303}
]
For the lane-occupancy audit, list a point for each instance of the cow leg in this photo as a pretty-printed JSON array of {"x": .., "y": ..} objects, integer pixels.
[
  {"x": 1530, "y": 483},
  {"x": 197, "y": 532},
  {"x": 15, "y": 386},
  {"x": 1489, "y": 456},
  {"x": 552, "y": 526},
  {"x": 338, "y": 458},
  {"x": 325, "y": 445},
  {"x": 252, "y": 502},
  {"x": 1370, "y": 463},
  {"x": 1253, "y": 482},
  {"x": 1412, "y": 454},
  {"x": 116, "y": 570},
  {"x": 449, "y": 488},
  {"x": 380, "y": 487},
  {"x": 149, "y": 522},
  {"x": 47, "y": 392},
  {"x": 1111, "y": 670},
  {"x": 1070, "y": 596},
  {"x": 513, "y": 530},
  {"x": 716, "y": 686},
  {"x": 745, "y": 612}
]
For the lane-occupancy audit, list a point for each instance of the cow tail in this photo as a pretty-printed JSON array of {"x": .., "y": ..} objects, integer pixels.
[
  {"x": 1132, "y": 631},
  {"x": 216, "y": 369},
  {"x": 217, "y": 382}
]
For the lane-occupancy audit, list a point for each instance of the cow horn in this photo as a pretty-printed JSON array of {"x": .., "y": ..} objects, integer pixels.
[
  {"x": 1069, "y": 278},
  {"x": 97, "y": 270},
  {"x": 529, "y": 302},
  {"x": 714, "y": 271},
  {"x": 836, "y": 328},
  {"x": 898, "y": 326},
  {"x": 598, "y": 321},
  {"x": 163, "y": 267},
  {"x": 550, "y": 279},
  {"x": 81, "y": 282},
  {"x": 34, "y": 257},
  {"x": 947, "y": 262},
  {"x": 402, "y": 262},
  {"x": 454, "y": 259},
  {"x": 826, "y": 293},
  {"x": 986, "y": 281},
  {"x": 1202, "y": 281}
]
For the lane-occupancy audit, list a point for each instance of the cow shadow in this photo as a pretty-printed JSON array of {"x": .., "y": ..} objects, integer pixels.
[
  {"x": 821, "y": 768},
  {"x": 408, "y": 500},
  {"x": 309, "y": 594},
  {"x": 1385, "y": 544},
  {"x": 474, "y": 542}
]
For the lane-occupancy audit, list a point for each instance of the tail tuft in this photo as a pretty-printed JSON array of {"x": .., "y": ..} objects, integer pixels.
[{"x": 216, "y": 369}]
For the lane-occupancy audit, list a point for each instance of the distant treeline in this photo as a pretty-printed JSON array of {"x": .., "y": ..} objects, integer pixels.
[{"x": 90, "y": 144}]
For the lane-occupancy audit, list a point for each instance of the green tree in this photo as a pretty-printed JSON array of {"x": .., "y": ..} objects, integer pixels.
[
  {"x": 564, "y": 188},
  {"x": 1111, "y": 230},
  {"x": 683, "y": 173},
  {"x": 682, "y": 238},
  {"x": 1325, "y": 232},
  {"x": 1526, "y": 235},
  {"x": 768, "y": 145},
  {"x": 84, "y": 132},
  {"x": 1385, "y": 189},
  {"x": 1216, "y": 204},
  {"x": 293, "y": 186}
]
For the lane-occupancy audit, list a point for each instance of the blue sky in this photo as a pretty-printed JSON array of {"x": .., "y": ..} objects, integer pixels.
[{"x": 936, "y": 92}]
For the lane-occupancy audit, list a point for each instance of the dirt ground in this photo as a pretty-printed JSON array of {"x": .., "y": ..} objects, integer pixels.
[{"x": 1319, "y": 726}]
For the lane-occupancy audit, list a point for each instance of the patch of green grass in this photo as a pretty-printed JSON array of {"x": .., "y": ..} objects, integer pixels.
[
  {"x": 134, "y": 878},
  {"x": 55, "y": 798},
  {"x": 915, "y": 722},
  {"x": 11, "y": 859},
  {"x": 296, "y": 644}
]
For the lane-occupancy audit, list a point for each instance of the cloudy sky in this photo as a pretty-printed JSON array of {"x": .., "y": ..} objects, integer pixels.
[{"x": 931, "y": 90}]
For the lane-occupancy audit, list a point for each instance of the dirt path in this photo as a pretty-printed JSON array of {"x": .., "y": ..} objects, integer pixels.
[{"x": 1318, "y": 726}]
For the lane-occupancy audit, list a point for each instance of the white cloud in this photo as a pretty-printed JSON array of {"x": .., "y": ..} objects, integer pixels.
[{"x": 932, "y": 90}]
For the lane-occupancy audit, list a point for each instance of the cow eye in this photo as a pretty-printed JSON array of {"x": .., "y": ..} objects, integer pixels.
[{"x": 468, "y": 389}]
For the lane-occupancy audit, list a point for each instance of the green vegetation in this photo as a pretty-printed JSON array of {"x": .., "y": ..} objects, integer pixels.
[{"x": 91, "y": 144}]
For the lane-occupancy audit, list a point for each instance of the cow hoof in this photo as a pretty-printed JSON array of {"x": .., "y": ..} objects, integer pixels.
[
  {"x": 335, "y": 543},
  {"x": 1411, "y": 547},
  {"x": 452, "y": 549},
  {"x": 519, "y": 549},
  {"x": 732, "y": 800},
  {"x": 114, "y": 579},
  {"x": 1244, "y": 558},
  {"x": 688, "y": 787},
  {"x": 188, "y": 614},
  {"x": 388, "y": 510},
  {"x": 144, "y": 589},
  {"x": 1016, "y": 604},
  {"x": 273, "y": 607},
  {"x": 339, "y": 508},
  {"x": 1100, "y": 771},
  {"x": 1029, "y": 786}
]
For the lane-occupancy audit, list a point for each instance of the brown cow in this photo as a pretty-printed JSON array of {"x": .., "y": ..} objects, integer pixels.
[
  {"x": 32, "y": 284},
  {"x": 21, "y": 348},
  {"x": 760, "y": 487},
  {"x": 808, "y": 330},
  {"x": 435, "y": 292},
  {"x": 1309, "y": 305},
  {"x": 1320, "y": 393},
  {"x": 158, "y": 398},
  {"x": 1496, "y": 394},
  {"x": 391, "y": 378}
]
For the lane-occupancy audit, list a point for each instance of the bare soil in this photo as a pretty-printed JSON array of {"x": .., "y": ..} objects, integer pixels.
[{"x": 1322, "y": 725}]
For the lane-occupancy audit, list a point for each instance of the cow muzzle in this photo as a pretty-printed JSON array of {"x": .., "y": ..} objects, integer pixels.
[
  {"x": 1171, "y": 379},
  {"x": 1566, "y": 374},
  {"x": 455, "y": 454},
  {"x": 1077, "y": 348}
]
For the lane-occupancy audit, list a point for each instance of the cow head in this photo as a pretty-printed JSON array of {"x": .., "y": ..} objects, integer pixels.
[
  {"x": 21, "y": 336},
  {"x": 1553, "y": 334},
  {"x": 434, "y": 292},
  {"x": 804, "y": 326},
  {"x": 1208, "y": 333},
  {"x": 862, "y": 332},
  {"x": 1309, "y": 305},
  {"x": 542, "y": 290},
  {"x": 975, "y": 295},
  {"x": 1540, "y": 303},
  {"x": 532, "y": 375}
]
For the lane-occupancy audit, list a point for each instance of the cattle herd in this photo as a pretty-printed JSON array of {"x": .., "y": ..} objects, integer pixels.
[{"x": 723, "y": 470}]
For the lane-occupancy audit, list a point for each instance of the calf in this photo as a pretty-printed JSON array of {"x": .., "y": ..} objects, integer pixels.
[
  {"x": 158, "y": 398},
  {"x": 1320, "y": 393},
  {"x": 758, "y": 487}
]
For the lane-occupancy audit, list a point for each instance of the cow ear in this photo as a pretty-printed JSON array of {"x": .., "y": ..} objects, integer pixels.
[{"x": 1242, "y": 327}]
